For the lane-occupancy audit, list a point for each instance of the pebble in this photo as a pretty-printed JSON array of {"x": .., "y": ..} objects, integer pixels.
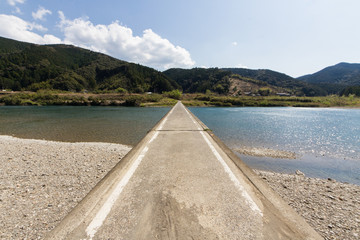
[
  {"x": 41, "y": 181},
  {"x": 37, "y": 193},
  {"x": 332, "y": 208}
]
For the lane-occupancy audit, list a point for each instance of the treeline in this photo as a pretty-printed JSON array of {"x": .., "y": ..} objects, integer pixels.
[
  {"x": 200, "y": 80},
  {"x": 293, "y": 86},
  {"x": 354, "y": 90},
  {"x": 33, "y": 67}
]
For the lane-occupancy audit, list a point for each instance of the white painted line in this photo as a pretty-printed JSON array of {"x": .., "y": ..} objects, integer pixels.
[
  {"x": 163, "y": 122},
  {"x": 233, "y": 178},
  {"x": 192, "y": 119},
  {"x": 104, "y": 211},
  {"x": 227, "y": 169}
]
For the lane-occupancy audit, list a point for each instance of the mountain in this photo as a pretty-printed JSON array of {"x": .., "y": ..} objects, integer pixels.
[
  {"x": 240, "y": 81},
  {"x": 198, "y": 80},
  {"x": 26, "y": 66},
  {"x": 270, "y": 77},
  {"x": 345, "y": 74}
]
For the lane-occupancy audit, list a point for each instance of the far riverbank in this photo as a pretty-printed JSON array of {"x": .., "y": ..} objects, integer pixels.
[{"x": 57, "y": 98}]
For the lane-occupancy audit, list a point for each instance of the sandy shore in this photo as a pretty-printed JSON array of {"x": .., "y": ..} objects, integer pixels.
[{"x": 41, "y": 181}]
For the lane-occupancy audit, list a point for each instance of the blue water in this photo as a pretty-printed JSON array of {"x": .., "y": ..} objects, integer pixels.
[
  {"x": 79, "y": 124},
  {"x": 327, "y": 141}
]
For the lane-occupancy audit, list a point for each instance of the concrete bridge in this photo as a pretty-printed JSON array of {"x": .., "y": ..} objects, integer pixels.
[{"x": 182, "y": 182}]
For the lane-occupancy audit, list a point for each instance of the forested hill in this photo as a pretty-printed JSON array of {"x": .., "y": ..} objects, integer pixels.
[
  {"x": 224, "y": 81},
  {"x": 343, "y": 73},
  {"x": 201, "y": 79},
  {"x": 25, "y": 66},
  {"x": 268, "y": 76}
]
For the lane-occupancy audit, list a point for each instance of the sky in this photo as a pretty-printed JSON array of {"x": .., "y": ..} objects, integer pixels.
[{"x": 295, "y": 37}]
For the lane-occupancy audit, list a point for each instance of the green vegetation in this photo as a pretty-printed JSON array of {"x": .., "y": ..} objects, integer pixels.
[
  {"x": 270, "y": 101},
  {"x": 335, "y": 79},
  {"x": 44, "y": 97},
  {"x": 68, "y": 75},
  {"x": 31, "y": 67},
  {"x": 355, "y": 90},
  {"x": 175, "y": 94},
  {"x": 276, "y": 79},
  {"x": 344, "y": 74},
  {"x": 200, "y": 80}
]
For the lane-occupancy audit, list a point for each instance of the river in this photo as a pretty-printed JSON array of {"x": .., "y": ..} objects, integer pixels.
[{"x": 326, "y": 141}]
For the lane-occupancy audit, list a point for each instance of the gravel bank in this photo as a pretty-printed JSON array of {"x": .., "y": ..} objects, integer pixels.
[
  {"x": 266, "y": 152},
  {"x": 331, "y": 208},
  {"x": 41, "y": 181}
]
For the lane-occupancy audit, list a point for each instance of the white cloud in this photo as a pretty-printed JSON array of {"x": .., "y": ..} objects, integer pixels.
[
  {"x": 241, "y": 66},
  {"x": 14, "y": 2},
  {"x": 40, "y": 13},
  {"x": 17, "y": 10},
  {"x": 234, "y": 43},
  {"x": 16, "y": 28},
  {"x": 116, "y": 40}
]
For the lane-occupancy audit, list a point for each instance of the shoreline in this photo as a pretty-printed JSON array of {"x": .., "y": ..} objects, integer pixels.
[
  {"x": 332, "y": 208},
  {"x": 266, "y": 152},
  {"x": 49, "y": 97},
  {"x": 41, "y": 181}
]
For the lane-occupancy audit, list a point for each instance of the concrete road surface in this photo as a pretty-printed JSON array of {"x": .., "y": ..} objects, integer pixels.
[{"x": 182, "y": 182}]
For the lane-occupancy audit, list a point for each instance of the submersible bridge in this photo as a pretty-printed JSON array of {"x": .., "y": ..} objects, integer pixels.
[{"x": 182, "y": 182}]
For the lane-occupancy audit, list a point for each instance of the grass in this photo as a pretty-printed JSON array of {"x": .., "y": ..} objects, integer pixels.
[
  {"x": 43, "y": 98},
  {"x": 270, "y": 101}
]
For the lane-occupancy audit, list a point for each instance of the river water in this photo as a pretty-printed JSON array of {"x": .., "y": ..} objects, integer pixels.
[
  {"x": 125, "y": 125},
  {"x": 326, "y": 141}
]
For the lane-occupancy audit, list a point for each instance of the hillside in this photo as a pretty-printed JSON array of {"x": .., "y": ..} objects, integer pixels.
[
  {"x": 25, "y": 66},
  {"x": 276, "y": 80},
  {"x": 239, "y": 81},
  {"x": 200, "y": 79},
  {"x": 346, "y": 74}
]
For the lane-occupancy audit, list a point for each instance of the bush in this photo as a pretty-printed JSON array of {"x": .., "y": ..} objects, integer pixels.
[
  {"x": 132, "y": 101},
  {"x": 121, "y": 90},
  {"x": 174, "y": 94}
]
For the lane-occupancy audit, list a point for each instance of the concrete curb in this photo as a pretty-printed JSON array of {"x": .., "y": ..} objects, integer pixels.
[
  {"x": 78, "y": 214},
  {"x": 280, "y": 220},
  {"x": 276, "y": 210}
]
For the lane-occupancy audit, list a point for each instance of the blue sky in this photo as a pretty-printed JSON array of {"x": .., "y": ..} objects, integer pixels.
[{"x": 296, "y": 37}]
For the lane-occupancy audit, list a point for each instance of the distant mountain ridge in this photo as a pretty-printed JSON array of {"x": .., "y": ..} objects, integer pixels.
[
  {"x": 346, "y": 74},
  {"x": 240, "y": 81},
  {"x": 270, "y": 77},
  {"x": 26, "y": 66}
]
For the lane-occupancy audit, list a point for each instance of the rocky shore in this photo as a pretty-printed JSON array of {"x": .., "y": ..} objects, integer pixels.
[
  {"x": 266, "y": 152},
  {"x": 41, "y": 181},
  {"x": 332, "y": 208}
]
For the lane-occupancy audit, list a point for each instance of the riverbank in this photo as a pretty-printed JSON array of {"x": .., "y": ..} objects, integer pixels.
[
  {"x": 47, "y": 98},
  {"x": 41, "y": 181},
  {"x": 332, "y": 208}
]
